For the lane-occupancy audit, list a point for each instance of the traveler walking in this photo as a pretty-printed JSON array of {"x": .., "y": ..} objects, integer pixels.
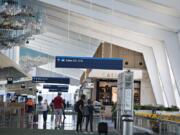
[
  {"x": 58, "y": 109},
  {"x": 89, "y": 116},
  {"x": 52, "y": 110},
  {"x": 64, "y": 104},
  {"x": 45, "y": 110},
  {"x": 79, "y": 109},
  {"x": 30, "y": 109}
]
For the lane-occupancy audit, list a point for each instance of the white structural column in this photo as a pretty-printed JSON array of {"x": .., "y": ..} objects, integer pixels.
[
  {"x": 153, "y": 73},
  {"x": 173, "y": 49},
  {"x": 164, "y": 72},
  {"x": 147, "y": 95}
]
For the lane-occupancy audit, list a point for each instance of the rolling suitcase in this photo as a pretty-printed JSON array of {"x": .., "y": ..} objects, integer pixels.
[{"x": 103, "y": 128}]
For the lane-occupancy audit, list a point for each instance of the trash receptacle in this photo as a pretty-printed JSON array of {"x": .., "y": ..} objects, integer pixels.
[{"x": 127, "y": 125}]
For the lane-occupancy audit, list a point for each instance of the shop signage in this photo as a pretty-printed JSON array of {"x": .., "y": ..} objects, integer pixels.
[
  {"x": 60, "y": 80},
  {"x": 89, "y": 62}
]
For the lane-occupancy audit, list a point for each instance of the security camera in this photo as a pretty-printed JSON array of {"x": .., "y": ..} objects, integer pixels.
[{"x": 27, "y": 42}]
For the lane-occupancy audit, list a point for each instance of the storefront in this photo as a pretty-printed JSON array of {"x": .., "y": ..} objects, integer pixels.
[{"x": 106, "y": 93}]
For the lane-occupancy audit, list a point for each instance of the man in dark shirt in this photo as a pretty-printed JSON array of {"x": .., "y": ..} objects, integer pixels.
[
  {"x": 80, "y": 113},
  {"x": 89, "y": 117}
]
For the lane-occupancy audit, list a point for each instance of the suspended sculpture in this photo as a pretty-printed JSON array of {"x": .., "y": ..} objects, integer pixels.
[{"x": 19, "y": 20}]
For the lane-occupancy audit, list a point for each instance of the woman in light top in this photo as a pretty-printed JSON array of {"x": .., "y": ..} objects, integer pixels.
[{"x": 45, "y": 110}]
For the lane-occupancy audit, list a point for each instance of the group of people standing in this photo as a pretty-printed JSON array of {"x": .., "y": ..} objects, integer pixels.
[
  {"x": 83, "y": 108},
  {"x": 57, "y": 107},
  {"x": 84, "y": 111}
]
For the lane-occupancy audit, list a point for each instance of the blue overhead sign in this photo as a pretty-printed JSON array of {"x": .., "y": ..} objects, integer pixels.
[
  {"x": 56, "y": 88},
  {"x": 60, "y": 80},
  {"x": 89, "y": 62}
]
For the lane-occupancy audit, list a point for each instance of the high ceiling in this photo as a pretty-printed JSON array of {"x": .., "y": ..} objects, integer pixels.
[
  {"x": 82, "y": 24},
  {"x": 152, "y": 27}
]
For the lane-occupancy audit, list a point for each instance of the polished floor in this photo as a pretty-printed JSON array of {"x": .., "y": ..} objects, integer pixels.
[
  {"x": 69, "y": 122},
  {"x": 19, "y": 125}
]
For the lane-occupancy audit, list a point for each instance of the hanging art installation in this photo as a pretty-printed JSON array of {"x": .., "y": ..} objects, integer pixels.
[{"x": 19, "y": 20}]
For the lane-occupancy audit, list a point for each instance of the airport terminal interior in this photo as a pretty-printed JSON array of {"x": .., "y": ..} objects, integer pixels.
[{"x": 90, "y": 67}]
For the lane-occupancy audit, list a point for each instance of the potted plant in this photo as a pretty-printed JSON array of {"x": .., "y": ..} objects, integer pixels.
[{"x": 114, "y": 113}]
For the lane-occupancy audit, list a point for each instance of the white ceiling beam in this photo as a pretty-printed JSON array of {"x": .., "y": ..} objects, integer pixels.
[
  {"x": 148, "y": 31},
  {"x": 73, "y": 73},
  {"x": 160, "y": 62},
  {"x": 70, "y": 43},
  {"x": 169, "y": 3},
  {"x": 53, "y": 50},
  {"x": 106, "y": 37},
  {"x": 104, "y": 28},
  {"x": 140, "y": 28},
  {"x": 77, "y": 40},
  {"x": 150, "y": 5},
  {"x": 133, "y": 46},
  {"x": 64, "y": 45},
  {"x": 170, "y": 22}
]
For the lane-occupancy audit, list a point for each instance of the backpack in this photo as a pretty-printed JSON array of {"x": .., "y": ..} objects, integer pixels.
[{"x": 76, "y": 106}]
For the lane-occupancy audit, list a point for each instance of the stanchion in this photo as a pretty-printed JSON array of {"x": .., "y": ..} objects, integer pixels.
[{"x": 127, "y": 125}]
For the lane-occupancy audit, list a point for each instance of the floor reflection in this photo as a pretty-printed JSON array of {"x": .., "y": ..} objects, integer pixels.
[{"x": 69, "y": 122}]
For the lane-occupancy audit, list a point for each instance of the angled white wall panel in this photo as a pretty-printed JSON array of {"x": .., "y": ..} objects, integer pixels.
[
  {"x": 164, "y": 72},
  {"x": 153, "y": 73},
  {"x": 173, "y": 50}
]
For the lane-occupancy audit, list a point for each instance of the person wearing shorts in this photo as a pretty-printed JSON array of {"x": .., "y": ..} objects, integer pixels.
[{"x": 58, "y": 109}]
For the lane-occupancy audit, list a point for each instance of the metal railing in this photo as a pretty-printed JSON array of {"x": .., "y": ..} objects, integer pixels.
[
  {"x": 159, "y": 127},
  {"x": 11, "y": 113}
]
